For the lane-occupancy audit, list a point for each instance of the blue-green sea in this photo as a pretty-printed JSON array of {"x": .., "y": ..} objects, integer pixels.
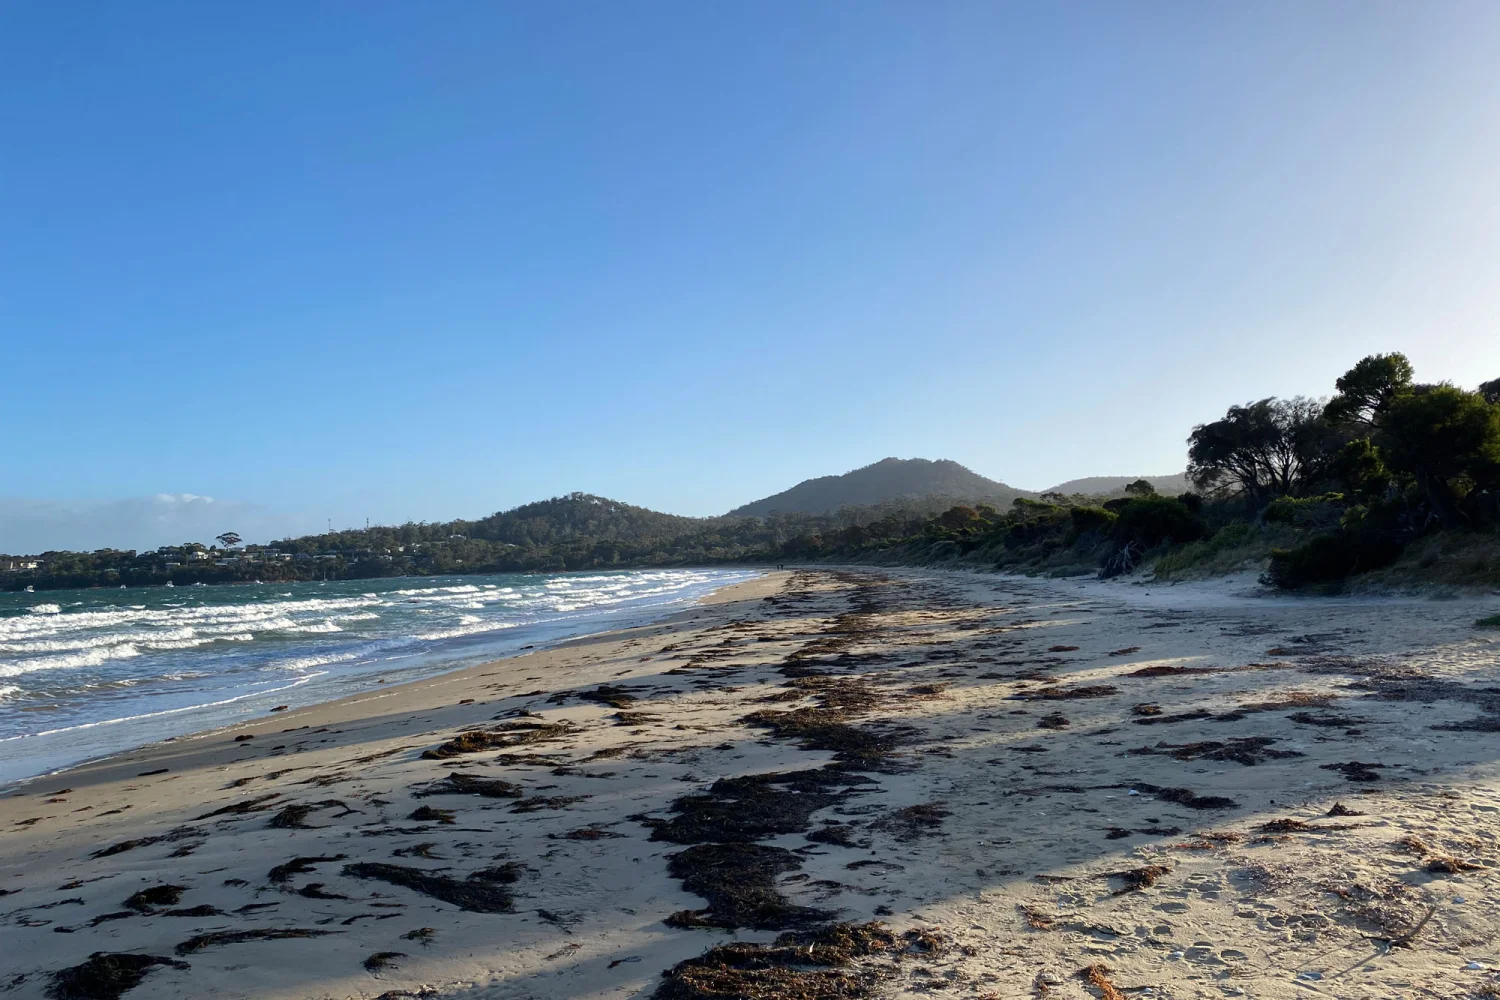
[{"x": 88, "y": 673}]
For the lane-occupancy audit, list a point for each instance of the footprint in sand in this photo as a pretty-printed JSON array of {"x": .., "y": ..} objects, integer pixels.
[{"x": 1203, "y": 953}]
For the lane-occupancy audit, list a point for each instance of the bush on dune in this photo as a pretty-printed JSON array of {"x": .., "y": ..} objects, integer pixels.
[{"x": 1332, "y": 557}]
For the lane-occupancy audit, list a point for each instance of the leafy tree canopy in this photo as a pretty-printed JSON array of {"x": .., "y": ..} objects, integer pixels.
[{"x": 1367, "y": 390}]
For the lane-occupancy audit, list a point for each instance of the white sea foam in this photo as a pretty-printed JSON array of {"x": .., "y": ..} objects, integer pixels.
[
  {"x": 89, "y": 658},
  {"x": 323, "y": 626},
  {"x": 97, "y": 662},
  {"x": 463, "y": 630}
]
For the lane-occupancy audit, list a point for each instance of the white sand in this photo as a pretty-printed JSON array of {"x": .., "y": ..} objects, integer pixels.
[{"x": 1255, "y": 914}]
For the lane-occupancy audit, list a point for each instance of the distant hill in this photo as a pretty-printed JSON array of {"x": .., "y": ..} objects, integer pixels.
[
  {"x": 577, "y": 515},
  {"x": 1109, "y": 485},
  {"x": 888, "y": 479}
]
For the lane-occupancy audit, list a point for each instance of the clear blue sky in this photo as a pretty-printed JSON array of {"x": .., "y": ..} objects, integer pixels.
[{"x": 425, "y": 260}]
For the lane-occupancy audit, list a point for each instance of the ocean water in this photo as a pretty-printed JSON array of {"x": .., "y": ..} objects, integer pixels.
[{"x": 88, "y": 673}]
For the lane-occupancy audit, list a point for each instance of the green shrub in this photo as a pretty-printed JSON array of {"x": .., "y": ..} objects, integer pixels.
[
  {"x": 1331, "y": 557},
  {"x": 1151, "y": 521},
  {"x": 1092, "y": 519},
  {"x": 1320, "y": 512}
]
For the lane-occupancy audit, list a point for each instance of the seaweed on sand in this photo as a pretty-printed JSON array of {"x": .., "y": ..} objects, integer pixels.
[
  {"x": 1443, "y": 864},
  {"x": 458, "y": 783},
  {"x": 611, "y": 695},
  {"x": 178, "y": 833},
  {"x": 314, "y": 890},
  {"x": 1067, "y": 694},
  {"x": 1149, "y": 718},
  {"x": 536, "y": 803},
  {"x": 146, "y": 900},
  {"x": 216, "y": 938},
  {"x": 1298, "y": 826},
  {"x": 427, "y": 814},
  {"x": 242, "y": 807},
  {"x": 827, "y": 726},
  {"x": 739, "y": 882},
  {"x": 914, "y": 822},
  {"x": 1249, "y": 751},
  {"x": 1163, "y": 670},
  {"x": 283, "y": 873},
  {"x": 828, "y": 729},
  {"x": 586, "y": 833},
  {"x": 838, "y": 834},
  {"x": 505, "y": 874},
  {"x": 754, "y": 806},
  {"x": 294, "y": 816},
  {"x": 1478, "y": 724},
  {"x": 105, "y": 976},
  {"x": 1355, "y": 770},
  {"x": 635, "y": 718},
  {"x": 474, "y": 895},
  {"x": 1120, "y": 832},
  {"x": 1186, "y": 797},
  {"x": 1133, "y": 879},
  {"x": 1097, "y": 976},
  {"x": 382, "y": 960},
  {"x": 513, "y": 735},
  {"x": 800, "y": 965}
]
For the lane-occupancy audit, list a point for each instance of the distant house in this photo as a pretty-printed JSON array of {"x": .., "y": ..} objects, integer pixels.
[{"x": 19, "y": 565}]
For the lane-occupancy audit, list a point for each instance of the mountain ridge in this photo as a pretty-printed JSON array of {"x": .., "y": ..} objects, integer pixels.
[
  {"x": 1170, "y": 485},
  {"x": 887, "y": 479},
  {"x": 895, "y": 479}
]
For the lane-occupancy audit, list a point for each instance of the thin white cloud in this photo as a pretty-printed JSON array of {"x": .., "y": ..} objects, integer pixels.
[{"x": 32, "y": 526}]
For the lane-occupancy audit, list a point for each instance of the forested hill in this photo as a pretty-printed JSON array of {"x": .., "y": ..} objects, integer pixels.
[
  {"x": 1114, "y": 486},
  {"x": 887, "y": 480},
  {"x": 579, "y": 515}
]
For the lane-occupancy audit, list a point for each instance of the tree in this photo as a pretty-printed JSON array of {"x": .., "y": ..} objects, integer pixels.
[
  {"x": 1448, "y": 439},
  {"x": 1140, "y": 488},
  {"x": 1366, "y": 391},
  {"x": 1274, "y": 447},
  {"x": 229, "y": 539},
  {"x": 1491, "y": 391},
  {"x": 957, "y": 517},
  {"x": 1360, "y": 469}
]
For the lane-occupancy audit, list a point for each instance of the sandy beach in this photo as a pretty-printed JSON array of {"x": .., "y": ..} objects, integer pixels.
[{"x": 1037, "y": 788}]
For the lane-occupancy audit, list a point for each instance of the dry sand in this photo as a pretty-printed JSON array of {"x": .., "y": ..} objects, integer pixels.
[{"x": 1042, "y": 788}]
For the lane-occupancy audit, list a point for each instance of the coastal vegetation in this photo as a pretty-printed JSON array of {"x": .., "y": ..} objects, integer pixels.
[{"x": 1389, "y": 481}]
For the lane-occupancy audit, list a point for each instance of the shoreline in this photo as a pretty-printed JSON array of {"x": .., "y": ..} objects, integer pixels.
[
  {"x": 8, "y": 785},
  {"x": 1022, "y": 779}
]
